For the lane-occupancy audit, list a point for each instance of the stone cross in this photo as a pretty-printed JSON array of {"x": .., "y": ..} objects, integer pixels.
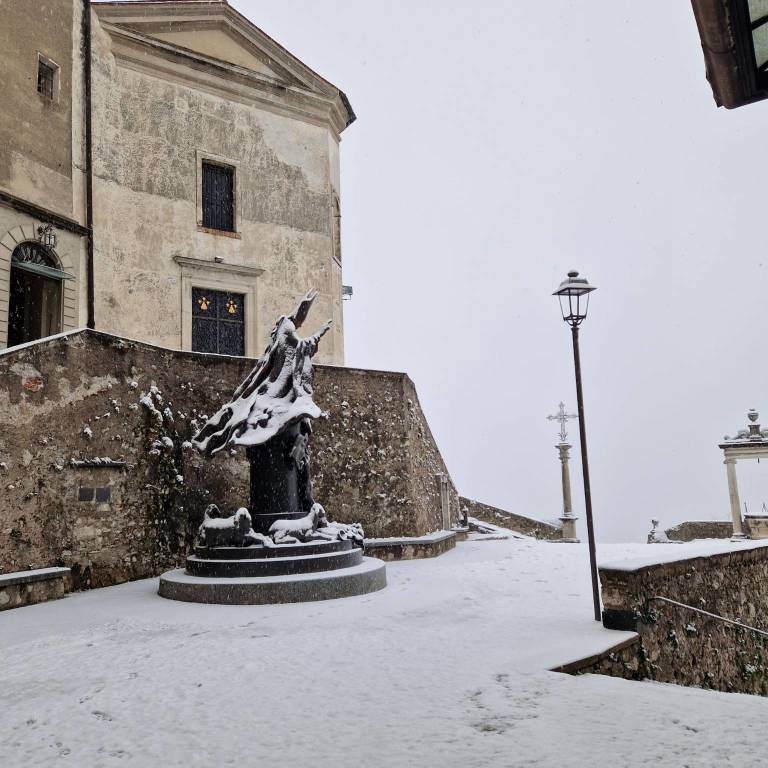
[
  {"x": 563, "y": 418},
  {"x": 567, "y": 519}
]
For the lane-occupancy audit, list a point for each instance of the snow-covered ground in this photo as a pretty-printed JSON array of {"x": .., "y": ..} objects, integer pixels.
[{"x": 446, "y": 667}]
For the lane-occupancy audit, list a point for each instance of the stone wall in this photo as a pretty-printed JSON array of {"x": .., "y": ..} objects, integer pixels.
[
  {"x": 88, "y": 395},
  {"x": 414, "y": 548},
  {"x": 679, "y": 645},
  {"x": 30, "y": 587},
  {"x": 700, "y": 529},
  {"x": 519, "y": 523}
]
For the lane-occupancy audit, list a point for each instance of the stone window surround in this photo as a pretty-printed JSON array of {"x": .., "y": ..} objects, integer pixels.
[
  {"x": 209, "y": 157},
  {"x": 69, "y": 292},
  {"x": 43, "y": 59},
  {"x": 236, "y": 278}
]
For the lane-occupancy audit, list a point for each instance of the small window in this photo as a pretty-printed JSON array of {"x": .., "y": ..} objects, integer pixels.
[
  {"x": 218, "y": 197},
  {"x": 218, "y": 322},
  {"x": 46, "y": 78}
]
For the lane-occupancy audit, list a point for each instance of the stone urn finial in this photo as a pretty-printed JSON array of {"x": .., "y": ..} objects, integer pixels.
[{"x": 753, "y": 415}]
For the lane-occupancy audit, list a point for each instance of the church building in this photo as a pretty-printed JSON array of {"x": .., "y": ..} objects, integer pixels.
[{"x": 168, "y": 172}]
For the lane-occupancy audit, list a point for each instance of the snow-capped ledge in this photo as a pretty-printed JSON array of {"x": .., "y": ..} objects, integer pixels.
[{"x": 665, "y": 554}]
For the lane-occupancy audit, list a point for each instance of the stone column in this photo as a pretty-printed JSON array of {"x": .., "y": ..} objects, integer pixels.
[
  {"x": 567, "y": 520},
  {"x": 733, "y": 493}
]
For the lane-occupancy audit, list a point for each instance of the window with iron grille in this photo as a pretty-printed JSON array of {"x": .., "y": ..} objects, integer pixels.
[
  {"x": 46, "y": 79},
  {"x": 218, "y": 322},
  {"x": 218, "y": 197}
]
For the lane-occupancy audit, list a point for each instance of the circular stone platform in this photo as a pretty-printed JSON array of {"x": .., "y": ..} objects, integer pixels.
[{"x": 369, "y": 575}]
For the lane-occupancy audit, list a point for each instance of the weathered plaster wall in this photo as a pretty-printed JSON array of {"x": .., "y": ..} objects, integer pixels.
[
  {"x": 36, "y": 133},
  {"x": 41, "y": 141},
  {"x": 79, "y": 397},
  {"x": 151, "y": 133},
  {"x": 519, "y": 523},
  {"x": 681, "y": 646}
]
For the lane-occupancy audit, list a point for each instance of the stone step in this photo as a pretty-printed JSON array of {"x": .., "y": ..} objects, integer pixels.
[
  {"x": 35, "y": 586},
  {"x": 369, "y": 576},
  {"x": 282, "y": 550},
  {"x": 273, "y": 566}
]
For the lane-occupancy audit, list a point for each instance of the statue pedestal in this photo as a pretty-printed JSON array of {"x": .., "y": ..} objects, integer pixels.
[
  {"x": 276, "y": 486},
  {"x": 289, "y": 573}
]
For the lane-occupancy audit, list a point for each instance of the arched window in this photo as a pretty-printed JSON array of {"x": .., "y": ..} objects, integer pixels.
[{"x": 34, "y": 309}]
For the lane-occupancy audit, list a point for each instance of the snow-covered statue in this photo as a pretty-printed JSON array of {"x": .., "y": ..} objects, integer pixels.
[
  {"x": 234, "y": 531},
  {"x": 270, "y": 415},
  {"x": 657, "y": 535}
]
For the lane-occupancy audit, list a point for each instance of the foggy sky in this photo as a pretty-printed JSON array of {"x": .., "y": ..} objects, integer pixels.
[{"x": 500, "y": 144}]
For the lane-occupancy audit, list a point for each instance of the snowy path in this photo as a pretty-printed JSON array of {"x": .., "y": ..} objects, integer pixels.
[{"x": 446, "y": 667}]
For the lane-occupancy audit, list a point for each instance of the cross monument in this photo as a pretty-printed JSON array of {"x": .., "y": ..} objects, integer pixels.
[{"x": 567, "y": 519}]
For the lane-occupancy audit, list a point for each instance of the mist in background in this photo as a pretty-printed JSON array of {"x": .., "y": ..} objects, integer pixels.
[{"x": 499, "y": 144}]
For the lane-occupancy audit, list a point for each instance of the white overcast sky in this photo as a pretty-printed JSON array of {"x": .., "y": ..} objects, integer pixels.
[{"x": 499, "y": 144}]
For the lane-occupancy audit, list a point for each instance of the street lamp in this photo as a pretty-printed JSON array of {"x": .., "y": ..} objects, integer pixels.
[{"x": 573, "y": 294}]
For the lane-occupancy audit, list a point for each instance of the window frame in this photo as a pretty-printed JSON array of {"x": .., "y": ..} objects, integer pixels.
[
  {"x": 218, "y": 319},
  {"x": 226, "y": 162},
  {"x": 44, "y": 62}
]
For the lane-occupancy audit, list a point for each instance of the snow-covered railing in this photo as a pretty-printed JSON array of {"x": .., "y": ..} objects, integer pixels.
[{"x": 711, "y": 615}]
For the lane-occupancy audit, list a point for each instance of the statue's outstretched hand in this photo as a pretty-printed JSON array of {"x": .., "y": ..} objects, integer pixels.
[{"x": 324, "y": 329}]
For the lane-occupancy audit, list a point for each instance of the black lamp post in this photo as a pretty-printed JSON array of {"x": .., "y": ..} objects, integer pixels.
[{"x": 573, "y": 294}]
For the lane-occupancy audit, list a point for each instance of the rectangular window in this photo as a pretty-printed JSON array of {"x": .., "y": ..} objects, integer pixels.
[
  {"x": 46, "y": 78},
  {"x": 218, "y": 322},
  {"x": 218, "y": 197}
]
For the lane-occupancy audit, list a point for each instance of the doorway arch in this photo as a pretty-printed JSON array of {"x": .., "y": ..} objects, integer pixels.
[{"x": 35, "y": 293}]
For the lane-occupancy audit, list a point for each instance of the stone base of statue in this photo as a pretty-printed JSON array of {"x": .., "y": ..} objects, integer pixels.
[
  {"x": 289, "y": 573},
  {"x": 296, "y": 561}
]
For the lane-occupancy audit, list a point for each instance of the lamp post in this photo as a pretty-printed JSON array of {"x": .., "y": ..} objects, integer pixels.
[{"x": 573, "y": 294}]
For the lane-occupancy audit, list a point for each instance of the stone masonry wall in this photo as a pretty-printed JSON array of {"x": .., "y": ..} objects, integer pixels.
[
  {"x": 700, "y": 529},
  {"x": 681, "y": 646},
  {"x": 519, "y": 523},
  {"x": 88, "y": 395}
]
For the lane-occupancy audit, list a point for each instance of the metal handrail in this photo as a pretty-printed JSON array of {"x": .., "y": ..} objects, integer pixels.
[{"x": 711, "y": 615}]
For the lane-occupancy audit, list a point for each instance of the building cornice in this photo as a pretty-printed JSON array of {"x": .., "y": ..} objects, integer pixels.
[
  {"x": 163, "y": 59},
  {"x": 42, "y": 214}
]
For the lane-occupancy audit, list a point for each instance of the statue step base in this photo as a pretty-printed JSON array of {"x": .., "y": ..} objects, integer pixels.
[
  {"x": 367, "y": 576},
  {"x": 273, "y": 566},
  {"x": 259, "y": 552}
]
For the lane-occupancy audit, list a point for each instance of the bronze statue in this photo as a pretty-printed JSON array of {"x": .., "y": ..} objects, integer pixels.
[{"x": 271, "y": 414}]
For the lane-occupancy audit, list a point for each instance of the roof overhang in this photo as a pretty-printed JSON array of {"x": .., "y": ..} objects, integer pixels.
[{"x": 728, "y": 32}]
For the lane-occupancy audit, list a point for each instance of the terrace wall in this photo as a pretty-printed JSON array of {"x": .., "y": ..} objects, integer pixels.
[{"x": 79, "y": 397}]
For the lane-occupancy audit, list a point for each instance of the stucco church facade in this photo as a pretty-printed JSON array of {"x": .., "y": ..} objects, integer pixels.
[{"x": 182, "y": 190}]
